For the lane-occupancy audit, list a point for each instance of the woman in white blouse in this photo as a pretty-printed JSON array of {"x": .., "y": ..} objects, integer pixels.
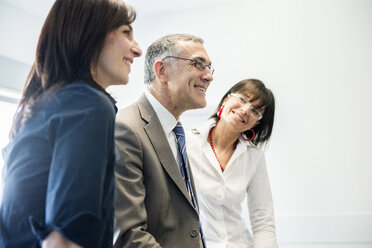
[{"x": 227, "y": 166}]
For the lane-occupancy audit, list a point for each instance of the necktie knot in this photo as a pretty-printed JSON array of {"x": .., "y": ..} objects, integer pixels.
[
  {"x": 181, "y": 143},
  {"x": 178, "y": 130},
  {"x": 180, "y": 136}
]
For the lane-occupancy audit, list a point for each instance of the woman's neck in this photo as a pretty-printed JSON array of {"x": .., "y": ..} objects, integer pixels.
[
  {"x": 224, "y": 137},
  {"x": 223, "y": 143}
]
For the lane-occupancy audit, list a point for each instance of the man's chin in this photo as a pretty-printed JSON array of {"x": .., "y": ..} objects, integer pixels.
[{"x": 200, "y": 105}]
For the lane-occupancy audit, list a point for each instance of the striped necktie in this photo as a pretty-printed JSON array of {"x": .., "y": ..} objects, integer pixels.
[{"x": 181, "y": 141}]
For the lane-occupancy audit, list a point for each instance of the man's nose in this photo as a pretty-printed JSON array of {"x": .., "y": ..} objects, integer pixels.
[{"x": 208, "y": 76}]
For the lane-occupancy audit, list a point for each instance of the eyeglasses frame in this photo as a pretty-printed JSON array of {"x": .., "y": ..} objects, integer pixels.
[
  {"x": 258, "y": 116},
  {"x": 196, "y": 62}
]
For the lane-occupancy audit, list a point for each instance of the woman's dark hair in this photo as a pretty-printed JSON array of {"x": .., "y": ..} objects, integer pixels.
[
  {"x": 70, "y": 43},
  {"x": 257, "y": 91}
]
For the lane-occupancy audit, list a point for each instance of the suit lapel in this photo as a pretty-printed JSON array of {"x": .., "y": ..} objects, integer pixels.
[{"x": 161, "y": 146}]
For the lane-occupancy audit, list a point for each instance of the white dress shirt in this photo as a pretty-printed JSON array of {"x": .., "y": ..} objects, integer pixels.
[
  {"x": 167, "y": 121},
  {"x": 220, "y": 194}
]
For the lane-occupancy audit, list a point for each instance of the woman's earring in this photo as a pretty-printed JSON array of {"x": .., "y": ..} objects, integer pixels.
[
  {"x": 249, "y": 139},
  {"x": 220, "y": 111}
]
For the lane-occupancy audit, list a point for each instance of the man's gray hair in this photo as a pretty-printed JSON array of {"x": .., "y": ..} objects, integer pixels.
[{"x": 161, "y": 48}]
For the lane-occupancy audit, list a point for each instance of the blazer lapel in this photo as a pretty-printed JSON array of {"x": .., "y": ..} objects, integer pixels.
[{"x": 160, "y": 143}]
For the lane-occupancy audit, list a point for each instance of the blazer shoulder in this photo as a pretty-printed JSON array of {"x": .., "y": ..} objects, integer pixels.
[{"x": 129, "y": 115}]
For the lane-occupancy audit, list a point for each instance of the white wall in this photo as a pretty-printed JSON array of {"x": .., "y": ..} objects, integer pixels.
[
  {"x": 316, "y": 56},
  {"x": 19, "y": 32}
]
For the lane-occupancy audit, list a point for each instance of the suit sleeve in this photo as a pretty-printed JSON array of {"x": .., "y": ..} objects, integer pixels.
[
  {"x": 260, "y": 205},
  {"x": 130, "y": 211}
]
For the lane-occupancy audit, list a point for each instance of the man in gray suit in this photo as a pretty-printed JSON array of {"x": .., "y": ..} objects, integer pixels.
[{"x": 155, "y": 205}]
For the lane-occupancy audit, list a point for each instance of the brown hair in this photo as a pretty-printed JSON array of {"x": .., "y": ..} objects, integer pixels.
[
  {"x": 70, "y": 42},
  {"x": 258, "y": 91}
]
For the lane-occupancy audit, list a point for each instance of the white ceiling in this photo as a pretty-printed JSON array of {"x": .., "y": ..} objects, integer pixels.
[
  {"x": 40, "y": 8},
  {"x": 149, "y": 7}
]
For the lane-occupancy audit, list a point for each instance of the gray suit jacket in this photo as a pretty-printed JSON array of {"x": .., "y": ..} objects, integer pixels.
[{"x": 153, "y": 206}]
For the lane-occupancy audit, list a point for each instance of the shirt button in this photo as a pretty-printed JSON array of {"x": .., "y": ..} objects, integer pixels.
[{"x": 194, "y": 233}]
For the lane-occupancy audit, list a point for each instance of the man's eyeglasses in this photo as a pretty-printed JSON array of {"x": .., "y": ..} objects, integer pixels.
[
  {"x": 242, "y": 100},
  {"x": 200, "y": 65}
]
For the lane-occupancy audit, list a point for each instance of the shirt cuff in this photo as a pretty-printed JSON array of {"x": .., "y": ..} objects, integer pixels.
[
  {"x": 39, "y": 229},
  {"x": 266, "y": 243}
]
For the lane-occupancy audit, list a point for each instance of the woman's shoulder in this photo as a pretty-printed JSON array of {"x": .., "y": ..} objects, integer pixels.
[
  {"x": 194, "y": 138},
  {"x": 81, "y": 91},
  {"x": 252, "y": 148},
  {"x": 201, "y": 129},
  {"x": 196, "y": 132},
  {"x": 192, "y": 135},
  {"x": 193, "y": 132},
  {"x": 254, "y": 153},
  {"x": 80, "y": 96}
]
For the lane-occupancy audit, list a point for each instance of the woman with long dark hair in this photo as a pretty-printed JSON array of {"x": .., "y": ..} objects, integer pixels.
[
  {"x": 59, "y": 163},
  {"x": 228, "y": 166}
]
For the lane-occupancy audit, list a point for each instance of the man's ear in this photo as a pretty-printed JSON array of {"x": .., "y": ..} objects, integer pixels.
[{"x": 161, "y": 71}]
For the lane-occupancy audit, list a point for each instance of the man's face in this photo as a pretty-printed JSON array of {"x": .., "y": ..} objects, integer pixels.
[{"x": 187, "y": 83}]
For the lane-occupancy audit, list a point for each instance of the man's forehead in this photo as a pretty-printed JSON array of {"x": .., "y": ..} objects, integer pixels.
[
  {"x": 188, "y": 42},
  {"x": 189, "y": 46},
  {"x": 193, "y": 50}
]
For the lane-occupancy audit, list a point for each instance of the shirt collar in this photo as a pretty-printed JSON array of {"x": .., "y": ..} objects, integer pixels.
[
  {"x": 101, "y": 89},
  {"x": 204, "y": 131},
  {"x": 206, "y": 127},
  {"x": 167, "y": 120}
]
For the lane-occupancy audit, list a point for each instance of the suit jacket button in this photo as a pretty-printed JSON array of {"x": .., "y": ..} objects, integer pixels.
[{"x": 194, "y": 233}]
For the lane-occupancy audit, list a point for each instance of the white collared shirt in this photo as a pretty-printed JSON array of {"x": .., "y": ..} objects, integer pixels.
[
  {"x": 167, "y": 121},
  {"x": 220, "y": 194}
]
